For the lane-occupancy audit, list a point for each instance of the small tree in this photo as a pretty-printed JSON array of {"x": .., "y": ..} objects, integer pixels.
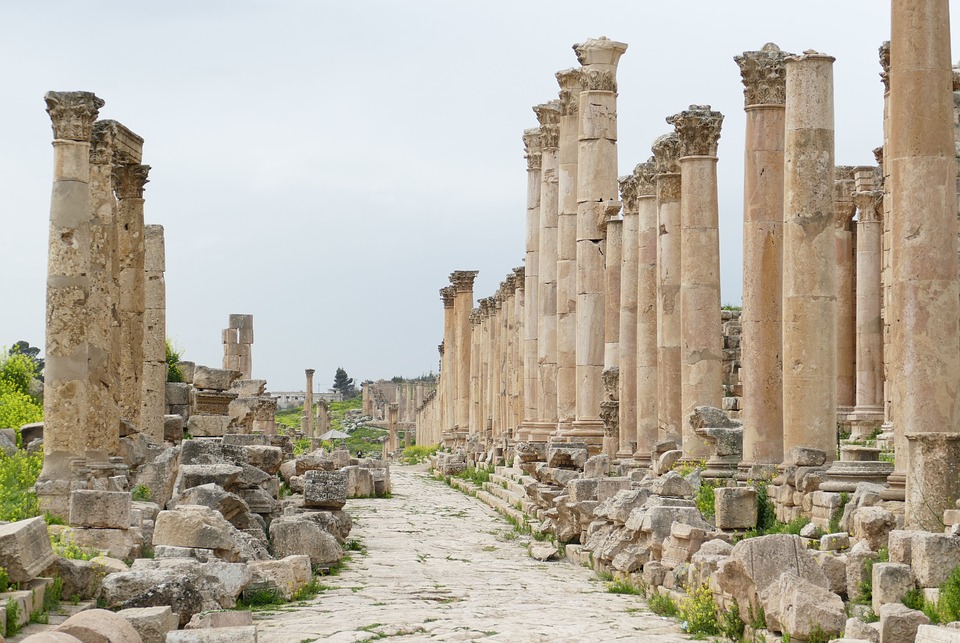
[{"x": 344, "y": 384}]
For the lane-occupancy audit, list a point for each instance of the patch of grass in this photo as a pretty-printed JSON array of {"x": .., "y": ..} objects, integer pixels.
[
  {"x": 626, "y": 587},
  {"x": 706, "y": 500},
  {"x": 354, "y": 545},
  {"x": 65, "y": 547},
  {"x": 418, "y": 453},
  {"x": 663, "y": 605},
  {"x": 52, "y": 596},
  {"x": 260, "y": 598},
  {"x": 310, "y": 590},
  {"x": 476, "y": 475},
  {"x": 141, "y": 493},
  {"x": 13, "y": 618}
]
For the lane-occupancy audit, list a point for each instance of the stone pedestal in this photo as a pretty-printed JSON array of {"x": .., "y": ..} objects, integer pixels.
[
  {"x": 856, "y": 464},
  {"x": 764, "y": 80},
  {"x": 531, "y": 287},
  {"x": 809, "y": 294},
  {"x": 926, "y": 294},
  {"x": 701, "y": 351},
  {"x": 646, "y": 330}
]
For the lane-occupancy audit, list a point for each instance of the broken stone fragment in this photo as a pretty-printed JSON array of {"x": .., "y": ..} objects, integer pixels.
[
  {"x": 25, "y": 549},
  {"x": 326, "y": 489}
]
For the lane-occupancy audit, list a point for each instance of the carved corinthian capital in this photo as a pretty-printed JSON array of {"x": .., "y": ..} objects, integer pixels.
[
  {"x": 666, "y": 153},
  {"x": 763, "y": 75},
  {"x": 569, "y": 80},
  {"x": 448, "y": 294},
  {"x": 531, "y": 148},
  {"x": 548, "y": 114},
  {"x": 129, "y": 180},
  {"x": 519, "y": 273},
  {"x": 599, "y": 57},
  {"x": 101, "y": 142},
  {"x": 869, "y": 205},
  {"x": 885, "y": 65},
  {"x": 698, "y": 129},
  {"x": 72, "y": 114},
  {"x": 645, "y": 175},
  {"x": 462, "y": 280},
  {"x": 628, "y": 192}
]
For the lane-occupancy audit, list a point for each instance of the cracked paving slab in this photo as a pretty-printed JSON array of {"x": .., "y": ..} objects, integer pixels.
[{"x": 442, "y": 566}]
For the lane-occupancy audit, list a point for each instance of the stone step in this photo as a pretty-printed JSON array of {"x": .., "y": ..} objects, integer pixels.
[
  {"x": 501, "y": 506},
  {"x": 56, "y": 617},
  {"x": 508, "y": 483},
  {"x": 510, "y": 494}
]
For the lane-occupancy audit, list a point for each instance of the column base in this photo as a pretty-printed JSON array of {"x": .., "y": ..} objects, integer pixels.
[
  {"x": 626, "y": 452},
  {"x": 751, "y": 471},
  {"x": 589, "y": 432},
  {"x": 862, "y": 421},
  {"x": 541, "y": 431},
  {"x": 896, "y": 487}
]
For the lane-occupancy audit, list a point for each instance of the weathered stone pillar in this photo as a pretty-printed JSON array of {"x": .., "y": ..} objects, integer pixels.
[
  {"x": 845, "y": 283},
  {"x": 869, "y": 202},
  {"x": 103, "y": 417},
  {"x": 531, "y": 263},
  {"x": 244, "y": 347},
  {"x": 496, "y": 427},
  {"x": 629, "y": 267},
  {"x": 548, "y": 114},
  {"x": 597, "y": 201},
  {"x": 129, "y": 181},
  {"x": 392, "y": 427},
  {"x": 666, "y": 152},
  {"x": 923, "y": 170},
  {"x": 567, "y": 251},
  {"x": 462, "y": 281},
  {"x": 306, "y": 421},
  {"x": 701, "y": 350},
  {"x": 509, "y": 358},
  {"x": 152, "y": 405},
  {"x": 646, "y": 353},
  {"x": 809, "y": 293},
  {"x": 612, "y": 259},
  {"x": 764, "y": 82},
  {"x": 475, "y": 368},
  {"x": 67, "y": 383},
  {"x": 517, "y": 378},
  {"x": 448, "y": 375},
  {"x": 487, "y": 310}
]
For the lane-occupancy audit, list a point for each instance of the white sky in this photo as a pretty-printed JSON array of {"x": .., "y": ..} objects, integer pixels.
[{"x": 324, "y": 166}]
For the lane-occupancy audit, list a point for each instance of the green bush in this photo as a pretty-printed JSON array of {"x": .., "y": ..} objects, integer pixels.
[
  {"x": 141, "y": 493},
  {"x": 13, "y": 618},
  {"x": 706, "y": 499},
  {"x": 626, "y": 587},
  {"x": 838, "y": 512},
  {"x": 699, "y": 613},
  {"x": 476, "y": 475},
  {"x": 18, "y": 370},
  {"x": 18, "y": 474},
  {"x": 173, "y": 358},
  {"x": 64, "y": 546},
  {"x": 948, "y": 606},
  {"x": 663, "y": 605},
  {"x": 418, "y": 453}
]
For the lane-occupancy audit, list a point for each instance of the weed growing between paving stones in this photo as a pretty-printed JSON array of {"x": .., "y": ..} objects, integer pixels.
[
  {"x": 663, "y": 605},
  {"x": 354, "y": 545},
  {"x": 626, "y": 587}
]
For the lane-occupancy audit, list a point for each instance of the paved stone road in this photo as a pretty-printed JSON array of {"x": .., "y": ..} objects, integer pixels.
[{"x": 442, "y": 566}]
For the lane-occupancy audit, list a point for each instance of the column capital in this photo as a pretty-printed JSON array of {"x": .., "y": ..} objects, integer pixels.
[
  {"x": 485, "y": 306},
  {"x": 869, "y": 205},
  {"x": 884, "y": 52},
  {"x": 129, "y": 180},
  {"x": 548, "y": 114},
  {"x": 474, "y": 316},
  {"x": 309, "y": 372},
  {"x": 440, "y": 348},
  {"x": 698, "y": 129},
  {"x": 666, "y": 153},
  {"x": 531, "y": 148},
  {"x": 447, "y": 295},
  {"x": 569, "y": 80},
  {"x": 509, "y": 284},
  {"x": 878, "y": 155},
  {"x": 628, "y": 192},
  {"x": 520, "y": 273},
  {"x": 72, "y": 114},
  {"x": 763, "y": 75},
  {"x": 599, "y": 58},
  {"x": 462, "y": 280},
  {"x": 101, "y": 142},
  {"x": 645, "y": 175}
]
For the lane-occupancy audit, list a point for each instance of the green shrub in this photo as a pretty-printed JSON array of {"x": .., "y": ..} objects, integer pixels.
[
  {"x": 18, "y": 474},
  {"x": 260, "y": 597},
  {"x": 626, "y": 587},
  {"x": 418, "y": 453},
  {"x": 64, "y": 546},
  {"x": 731, "y": 625},
  {"x": 141, "y": 493},
  {"x": 301, "y": 446},
  {"x": 13, "y": 618},
  {"x": 173, "y": 358},
  {"x": 4, "y": 580},
  {"x": 706, "y": 499},
  {"x": 663, "y": 605},
  {"x": 948, "y": 606},
  {"x": 699, "y": 613},
  {"x": 476, "y": 475}
]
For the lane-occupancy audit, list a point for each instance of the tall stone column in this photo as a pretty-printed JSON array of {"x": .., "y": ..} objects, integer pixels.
[
  {"x": 869, "y": 202},
  {"x": 496, "y": 345},
  {"x": 666, "y": 154},
  {"x": 845, "y": 282},
  {"x": 923, "y": 170},
  {"x": 612, "y": 259},
  {"x": 701, "y": 350},
  {"x": 130, "y": 181},
  {"x": 462, "y": 281},
  {"x": 66, "y": 386},
  {"x": 517, "y": 379},
  {"x": 597, "y": 201},
  {"x": 646, "y": 354},
  {"x": 152, "y": 405},
  {"x": 809, "y": 292},
  {"x": 567, "y": 251},
  {"x": 548, "y": 114},
  {"x": 509, "y": 358},
  {"x": 306, "y": 420},
  {"x": 489, "y": 390},
  {"x": 531, "y": 263},
  {"x": 448, "y": 375},
  {"x": 629, "y": 267},
  {"x": 392, "y": 427},
  {"x": 764, "y": 81},
  {"x": 103, "y": 417},
  {"x": 475, "y": 368}
]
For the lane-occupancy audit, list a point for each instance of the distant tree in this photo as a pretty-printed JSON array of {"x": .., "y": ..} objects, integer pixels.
[
  {"x": 396, "y": 379},
  {"x": 24, "y": 348},
  {"x": 173, "y": 360},
  {"x": 344, "y": 384}
]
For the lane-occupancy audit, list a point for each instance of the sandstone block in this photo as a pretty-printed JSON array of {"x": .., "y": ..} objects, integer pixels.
[
  {"x": 857, "y": 629},
  {"x": 177, "y": 393},
  {"x": 119, "y": 544},
  {"x": 173, "y": 428},
  {"x": 899, "y": 623},
  {"x": 51, "y": 636},
  {"x": 195, "y": 475},
  {"x": 325, "y": 489},
  {"x": 796, "y": 606},
  {"x": 264, "y": 457},
  {"x": 99, "y": 626},
  {"x": 609, "y": 487},
  {"x": 617, "y": 508},
  {"x": 597, "y": 466},
  {"x": 247, "y": 634},
  {"x": 216, "y": 379},
  {"x": 359, "y": 482},
  {"x": 834, "y": 542},
  {"x": 934, "y": 556},
  {"x": 287, "y": 575},
  {"x": 835, "y": 569},
  {"x": 531, "y": 451},
  {"x": 208, "y": 426},
  {"x": 220, "y": 619},
  {"x": 151, "y": 623},
  {"x": 25, "y": 549},
  {"x": 873, "y": 524},
  {"x": 567, "y": 456},
  {"x": 582, "y": 489},
  {"x": 100, "y": 509},
  {"x": 543, "y": 551},
  {"x": 807, "y": 457},
  {"x": 890, "y": 582},
  {"x": 736, "y": 507},
  {"x": 196, "y": 526},
  {"x": 318, "y": 461},
  {"x": 937, "y": 634},
  {"x": 668, "y": 459},
  {"x": 291, "y": 536},
  {"x": 672, "y": 485}
]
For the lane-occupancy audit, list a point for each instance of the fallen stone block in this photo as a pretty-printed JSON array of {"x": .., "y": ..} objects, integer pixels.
[
  {"x": 325, "y": 489},
  {"x": 899, "y": 623},
  {"x": 100, "y": 509},
  {"x": 293, "y": 535},
  {"x": 933, "y": 557},
  {"x": 51, "y": 637},
  {"x": 567, "y": 456},
  {"x": 286, "y": 575},
  {"x": 873, "y": 525},
  {"x": 855, "y": 629},
  {"x": 94, "y": 626},
  {"x": 359, "y": 482},
  {"x": 220, "y": 619},
  {"x": 215, "y": 379},
  {"x": 151, "y": 623},
  {"x": 891, "y": 581},
  {"x": 208, "y": 426},
  {"x": 937, "y": 634},
  {"x": 736, "y": 507},
  {"x": 543, "y": 551},
  {"x": 25, "y": 549},
  {"x": 796, "y": 606},
  {"x": 672, "y": 485},
  {"x": 197, "y": 526}
]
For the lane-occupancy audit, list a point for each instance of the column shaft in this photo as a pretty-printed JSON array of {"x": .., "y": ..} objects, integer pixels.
[
  {"x": 629, "y": 267},
  {"x": 531, "y": 263},
  {"x": 647, "y": 314},
  {"x": 152, "y": 405}
]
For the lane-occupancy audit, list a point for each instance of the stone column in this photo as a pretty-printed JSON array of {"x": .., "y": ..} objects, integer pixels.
[
  {"x": 809, "y": 292},
  {"x": 392, "y": 426},
  {"x": 926, "y": 306},
  {"x": 462, "y": 281},
  {"x": 489, "y": 390},
  {"x": 129, "y": 181},
  {"x": 152, "y": 405},
  {"x": 567, "y": 251},
  {"x": 629, "y": 267},
  {"x": 845, "y": 282},
  {"x": 244, "y": 326},
  {"x": 518, "y": 316},
  {"x": 666, "y": 152},
  {"x": 509, "y": 312},
  {"x": 230, "y": 340},
  {"x": 103, "y": 417},
  {"x": 306, "y": 420},
  {"x": 646, "y": 329},
  {"x": 548, "y": 114},
  {"x": 762, "y": 373},
  {"x": 612, "y": 259},
  {"x": 869, "y": 202},
  {"x": 597, "y": 201},
  {"x": 531, "y": 263},
  {"x": 66, "y": 386},
  {"x": 701, "y": 350},
  {"x": 496, "y": 345},
  {"x": 475, "y": 358},
  {"x": 448, "y": 375}
]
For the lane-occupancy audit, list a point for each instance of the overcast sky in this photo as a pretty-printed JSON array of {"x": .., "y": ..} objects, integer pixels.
[{"x": 324, "y": 166}]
